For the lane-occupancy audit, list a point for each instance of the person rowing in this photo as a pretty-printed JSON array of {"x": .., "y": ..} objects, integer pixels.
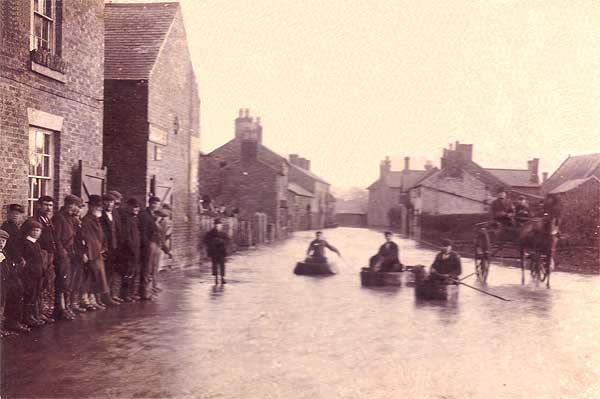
[
  {"x": 316, "y": 249},
  {"x": 447, "y": 264},
  {"x": 387, "y": 258}
]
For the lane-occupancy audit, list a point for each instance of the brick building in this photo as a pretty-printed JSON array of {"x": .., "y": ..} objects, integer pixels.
[
  {"x": 320, "y": 208},
  {"x": 245, "y": 174},
  {"x": 151, "y": 114},
  {"x": 299, "y": 206},
  {"x": 51, "y": 66}
]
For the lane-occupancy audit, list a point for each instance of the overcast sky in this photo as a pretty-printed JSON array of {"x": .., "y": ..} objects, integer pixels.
[{"x": 345, "y": 83}]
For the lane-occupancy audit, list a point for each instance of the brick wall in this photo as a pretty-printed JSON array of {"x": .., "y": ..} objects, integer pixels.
[{"x": 77, "y": 100}]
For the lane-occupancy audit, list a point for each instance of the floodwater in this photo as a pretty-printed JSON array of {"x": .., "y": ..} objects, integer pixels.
[{"x": 272, "y": 334}]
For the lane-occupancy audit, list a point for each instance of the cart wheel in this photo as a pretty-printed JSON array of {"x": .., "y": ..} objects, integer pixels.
[
  {"x": 482, "y": 262},
  {"x": 534, "y": 263},
  {"x": 543, "y": 271}
]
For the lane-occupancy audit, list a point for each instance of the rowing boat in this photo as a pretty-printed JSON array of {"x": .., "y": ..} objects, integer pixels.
[
  {"x": 396, "y": 277},
  {"x": 312, "y": 266}
]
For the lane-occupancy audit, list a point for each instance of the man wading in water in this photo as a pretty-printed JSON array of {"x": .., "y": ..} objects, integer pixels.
[{"x": 216, "y": 241}]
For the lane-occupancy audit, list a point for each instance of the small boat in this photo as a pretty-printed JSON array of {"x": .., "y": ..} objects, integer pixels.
[
  {"x": 312, "y": 266},
  {"x": 429, "y": 288},
  {"x": 394, "y": 277}
]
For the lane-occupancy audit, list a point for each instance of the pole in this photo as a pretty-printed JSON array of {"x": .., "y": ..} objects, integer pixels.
[
  {"x": 477, "y": 289},
  {"x": 466, "y": 277}
]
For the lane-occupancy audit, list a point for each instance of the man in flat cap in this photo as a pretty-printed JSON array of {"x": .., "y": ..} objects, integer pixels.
[
  {"x": 65, "y": 230},
  {"x": 47, "y": 242},
  {"x": 11, "y": 274},
  {"x": 12, "y": 311},
  {"x": 150, "y": 245},
  {"x": 447, "y": 263},
  {"x": 111, "y": 225}
]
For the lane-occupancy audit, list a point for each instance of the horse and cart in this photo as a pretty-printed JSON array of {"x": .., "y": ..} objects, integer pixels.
[{"x": 533, "y": 238}]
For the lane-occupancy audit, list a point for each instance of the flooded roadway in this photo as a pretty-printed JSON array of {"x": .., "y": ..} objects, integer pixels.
[{"x": 272, "y": 334}]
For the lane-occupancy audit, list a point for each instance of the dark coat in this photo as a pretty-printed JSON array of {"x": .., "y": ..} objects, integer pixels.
[
  {"x": 91, "y": 232},
  {"x": 148, "y": 229},
  {"x": 216, "y": 243},
  {"x": 131, "y": 238},
  {"x": 34, "y": 260},
  {"x": 501, "y": 208},
  {"x": 65, "y": 230},
  {"x": 13, "y": 245},
  {"x": 48, "y": 239},
  {"x": 449, "y": 265},
  {"x": 112, "y": 231},
  {"x": 318, "y": 248},
  {"x": 389, "y": 252}
]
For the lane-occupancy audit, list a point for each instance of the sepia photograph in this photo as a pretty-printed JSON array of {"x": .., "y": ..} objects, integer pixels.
[{"x": 300, "y": 199}]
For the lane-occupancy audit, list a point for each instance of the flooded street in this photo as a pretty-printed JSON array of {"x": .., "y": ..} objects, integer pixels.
[{"x": 272, "y": 334}]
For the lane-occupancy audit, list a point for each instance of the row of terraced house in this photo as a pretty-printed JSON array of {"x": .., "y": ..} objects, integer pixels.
[
  {"x": 97, "y": 97},
  {"x": 426, "y": 203}
]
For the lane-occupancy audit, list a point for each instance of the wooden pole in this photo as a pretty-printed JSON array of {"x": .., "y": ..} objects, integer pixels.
[{"x": 477, "y": 289}]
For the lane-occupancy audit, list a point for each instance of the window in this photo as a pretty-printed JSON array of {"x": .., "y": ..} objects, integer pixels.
[
  {"x": 157, "y": 153},
  {"x": 42, "y": 25},
  {"x": 41, "y": 159}
]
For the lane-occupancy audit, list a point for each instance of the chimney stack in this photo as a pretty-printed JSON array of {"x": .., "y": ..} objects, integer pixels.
[
  {"x": 294, "y": 159},
  {"x": 428, "y": 165},
  {"x": 533, "y": 169},
  {"x": 385, "y": 166},
  {"x": 406, "y": 163},
  {"x": 246, "y": 113}
]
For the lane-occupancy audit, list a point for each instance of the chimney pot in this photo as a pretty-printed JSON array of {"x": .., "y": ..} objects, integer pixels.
[
  {"x": 258, "y": 120},
  {"x": 241, "y": 112},
  {"x": 406, "y": 163},
  {"x": 246, "y": 113}
]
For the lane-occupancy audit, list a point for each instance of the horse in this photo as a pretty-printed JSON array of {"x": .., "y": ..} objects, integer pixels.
[{"x": 540, "y": 235}]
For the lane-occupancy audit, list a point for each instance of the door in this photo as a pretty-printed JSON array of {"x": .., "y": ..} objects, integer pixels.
[{"x": 89, "y": 181}]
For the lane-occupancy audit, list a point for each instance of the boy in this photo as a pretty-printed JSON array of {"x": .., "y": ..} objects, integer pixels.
[{"x": 33, "y": 273}]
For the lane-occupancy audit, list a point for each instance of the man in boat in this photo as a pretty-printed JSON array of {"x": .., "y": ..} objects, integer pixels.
[
  {"x": 502, "y": 209},
  {"x": 317, "y": 248},
  {"x": 447, "y": 263},
  {"x": 387, "y": 258}
]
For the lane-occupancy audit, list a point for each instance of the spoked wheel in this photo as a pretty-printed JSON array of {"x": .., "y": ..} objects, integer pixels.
[
  {"x": 543, "y": 268},
  {"x": 482, "y": 260},
  {"x": 482, "y": 268},
  {"x": 535, "y": 266}
]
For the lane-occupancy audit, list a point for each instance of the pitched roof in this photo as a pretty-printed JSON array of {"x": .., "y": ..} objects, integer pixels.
[
  {"x": 133, "y": 36},
  {"x": 270, "y": 157},
  {"x": 514, "y": 177},
  {"x": 474, "y": 169},
  {"x": 577, "y": 167},
  {"x": 309, "y": 173},
  {"x": 404, "y": 179},
  {"x": 296, "y": 189},
  {"x": 571, "y": 184}
]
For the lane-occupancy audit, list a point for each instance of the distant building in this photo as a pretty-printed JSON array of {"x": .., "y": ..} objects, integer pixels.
[
  {"x": 321, "y": 206},
  {"x": 51, "y": 88},
  {"x": 390, "y": 193},
  {"x": 351, "y": 213},
  {"x": 245, "y": 174},
  {"x": 151, "y": 114},
  {"x": 577, "y": 183}
]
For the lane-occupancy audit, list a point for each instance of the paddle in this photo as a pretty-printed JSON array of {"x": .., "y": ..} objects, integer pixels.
[
  {"x": 477, "y": 289},
  {"x": 466, "y": 277}
]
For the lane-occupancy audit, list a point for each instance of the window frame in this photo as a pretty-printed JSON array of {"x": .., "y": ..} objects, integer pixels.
[
  {"x": 33, "y": 42},
  {"x": 48, "y": 153}
]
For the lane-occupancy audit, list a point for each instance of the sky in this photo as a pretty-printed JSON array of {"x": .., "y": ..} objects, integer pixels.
[{"x": 345, "y": 84}]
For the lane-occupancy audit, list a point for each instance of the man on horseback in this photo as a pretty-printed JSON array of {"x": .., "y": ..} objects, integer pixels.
[{"x": 522, "y": 213}]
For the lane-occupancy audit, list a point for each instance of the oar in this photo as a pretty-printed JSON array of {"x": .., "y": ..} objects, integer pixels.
[
  {"x": 477, "y": 289},
  {"x": 466, "y": 277}
]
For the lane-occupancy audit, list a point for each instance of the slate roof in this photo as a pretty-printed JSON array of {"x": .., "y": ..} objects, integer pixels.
[
  {"x": 309, "y": 173},
  {"x": 134, "y": 34},
  {"x": 571, "y": 184},
  {"x": 576, "y": 167},
  {"x": 404, "y": 179},
  {"x": 514, "y": 177},
  {"x": 296, "y": 189}
]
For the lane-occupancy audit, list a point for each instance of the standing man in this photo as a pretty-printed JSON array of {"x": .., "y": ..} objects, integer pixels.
[
  {"x": 33, "y": 271},
  {"x": 317, "y": 247},
  {"x": 92, "y": 233},
  {"x": 111, "y": 226},
  {"x": 131, "y": 251},
  {"x": 78, "y": 262},
  {"x": 216, "y": 241},
  {"x": 447, "y": 263},
  {"x": 150, "y": 246},
  {"x": 11, "y": 273},
  {"x": 47, "y": 242},
  {"x": 164, "y": 236},
  {"x": 65, "y": 229},
  {"x": 387, "y": 256},
  {"x": 12, "y": 309}
]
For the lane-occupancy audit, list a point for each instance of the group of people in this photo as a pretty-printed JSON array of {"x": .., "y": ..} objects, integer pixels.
[
  {"x": 54, "y": 266},
  {"x": 446, "y": 265},
  {"x": 509, "y": 215}
]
